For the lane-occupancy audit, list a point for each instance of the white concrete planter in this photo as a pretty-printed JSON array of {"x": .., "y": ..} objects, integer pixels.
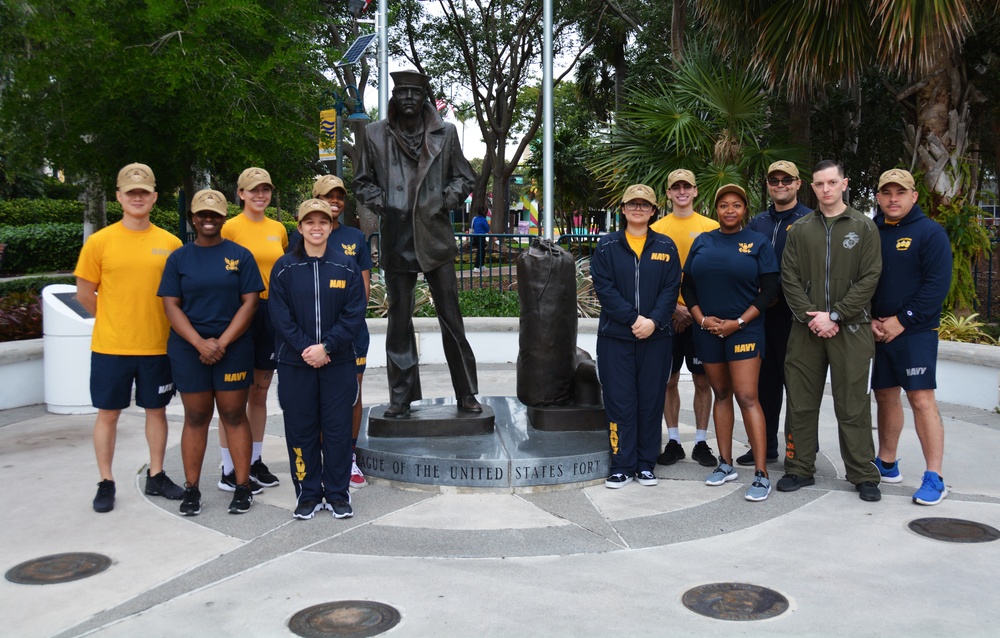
[
  {"x": 22, "y": 374},
  {"x": 967, "y": 374}
]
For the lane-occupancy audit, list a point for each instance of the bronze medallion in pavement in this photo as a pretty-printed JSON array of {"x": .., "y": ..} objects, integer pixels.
[
  {"x": 344, "y": 619},
  {"x": 954, "y": 530},
  {"x": 735, "y": 601},
  {"x": 58, "y": 568}
]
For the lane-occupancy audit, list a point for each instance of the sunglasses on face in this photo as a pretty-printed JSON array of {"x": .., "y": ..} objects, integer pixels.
[{"x": 786, "y": 181}]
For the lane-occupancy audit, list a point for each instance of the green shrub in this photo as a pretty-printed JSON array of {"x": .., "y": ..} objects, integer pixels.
[
  {"x": 40, "y": 247},
  {"x": 22, "y": 212},
  {"x": 33, "y": 284},
  {"x": 488, "y": 302}
]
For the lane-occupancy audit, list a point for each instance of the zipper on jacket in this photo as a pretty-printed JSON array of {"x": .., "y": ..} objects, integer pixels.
[
  {"x": 826, "y": 277},
  {"x": 316, "y": 299}
]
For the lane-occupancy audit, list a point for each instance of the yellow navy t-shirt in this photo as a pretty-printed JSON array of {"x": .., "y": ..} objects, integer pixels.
[
  {"x": 265, "y": 239},
  {"x": 684, "y": 231},
  {"x": 127, "y": 265}
]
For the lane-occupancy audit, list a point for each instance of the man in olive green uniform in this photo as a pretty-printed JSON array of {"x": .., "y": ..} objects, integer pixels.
[{"x": 829, "y": 272}]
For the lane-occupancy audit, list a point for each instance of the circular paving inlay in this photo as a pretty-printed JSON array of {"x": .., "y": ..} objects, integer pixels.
[
  {"x": 58, "y": 568},
  {"x": 346, "y": 618},
  {"x": 735, "y": 601},
  {"x": 954, "y": 530}
]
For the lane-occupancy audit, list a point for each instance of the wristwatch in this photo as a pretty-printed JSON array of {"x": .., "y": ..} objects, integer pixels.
[
  {"x": 326, "y": 348},
  {"x": 835, "y": 316},
  {"x": 739, "y": 320}
]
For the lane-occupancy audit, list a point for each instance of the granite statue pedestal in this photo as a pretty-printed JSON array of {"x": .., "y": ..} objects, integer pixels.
[{"x": 512, "y": 455}]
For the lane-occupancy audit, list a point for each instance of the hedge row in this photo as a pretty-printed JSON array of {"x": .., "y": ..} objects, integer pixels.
[
  {"x": 33, "y": 284},
  {"x": 40, "y": 248}
]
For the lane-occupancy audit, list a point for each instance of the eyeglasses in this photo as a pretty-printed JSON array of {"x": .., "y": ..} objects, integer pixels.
[
  {"x": 786, "y": 181},
  {"x": 640, "y": 206}
]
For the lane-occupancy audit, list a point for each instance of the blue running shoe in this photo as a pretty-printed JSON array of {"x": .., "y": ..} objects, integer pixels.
[
  {"x": 932, "y": 490},
  {"x": 760, "y": 487},
  {"x": 721, "y": 474},
  {"x": 888, "y": 475}
]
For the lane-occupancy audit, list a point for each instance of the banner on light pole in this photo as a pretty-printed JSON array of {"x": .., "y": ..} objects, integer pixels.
[{"x": 328, "y": 135}]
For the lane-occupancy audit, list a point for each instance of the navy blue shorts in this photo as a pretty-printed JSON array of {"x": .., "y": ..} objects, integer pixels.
[
  {"x": 360, "y": 345},
  {"x": 233, "y": 372},
  {"x": 262, "y": 333},
  {"x": 112, "y": 376},
  {"x": 684, "y": 350},
  {"x": 742, "y": 344},
  {"x": 908, "y": 362}
]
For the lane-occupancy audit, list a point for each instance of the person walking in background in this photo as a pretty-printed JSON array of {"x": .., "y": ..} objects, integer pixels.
[
  {"x": 682, "y": 226},
  {"x": 480, "y": 228},
  {"x": 318, "y": 309},
  {"x": 829, "y": 272},
  {"x": 783, "y": 186},
  {"x": 636, "y": 275},
  {"x": 210, "y": 289},
  {"x": 266, "y": 240},
  {"x": 116, "y": 278},
  {"x": 916, "y": 276},
  {"x": 730, "y": 279}
]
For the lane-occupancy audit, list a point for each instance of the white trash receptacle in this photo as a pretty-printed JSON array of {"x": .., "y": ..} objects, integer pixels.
[{"x": 66, "y": 330}]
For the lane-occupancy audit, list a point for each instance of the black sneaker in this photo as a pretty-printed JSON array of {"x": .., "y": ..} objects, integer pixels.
[
  {"x": 342, "y": 509},
  {"x": 703, "y": 454},
  {"x": 747, "y": 459},
  {"x": 161, "y": 485},
  {"x": 191, "y": 503},
  {"x": 242, "y": 500},
  {"x": 260, "y": 473},
  {"x": 868, "y": 491},
  {"x": 228, "y": 483},
  {"x": 791, "y": 482},
  {"x": 105, "y": 499},
  {"x": 672, "y": 453},
  {"x": 307, "y": 509}
]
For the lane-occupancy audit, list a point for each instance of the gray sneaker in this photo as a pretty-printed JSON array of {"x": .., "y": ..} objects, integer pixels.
[
  {"x": 721, "y": 474},
  {"x": 760, "y": 487}
]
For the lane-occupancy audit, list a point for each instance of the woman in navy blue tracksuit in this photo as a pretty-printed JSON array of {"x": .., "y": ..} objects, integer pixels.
[
  {"x": 636, "y": 275},
  {"x": 318, "y": 308}
]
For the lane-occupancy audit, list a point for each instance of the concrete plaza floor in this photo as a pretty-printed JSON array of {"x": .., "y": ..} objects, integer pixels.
[{"x": 583, "y": 561}]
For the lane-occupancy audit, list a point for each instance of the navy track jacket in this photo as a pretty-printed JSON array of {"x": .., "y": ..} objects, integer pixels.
[
  {"x": 316, "y": 300},
  {"x": 628, "y": 286}
]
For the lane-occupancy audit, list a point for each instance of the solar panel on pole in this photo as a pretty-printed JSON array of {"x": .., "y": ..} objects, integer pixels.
[{"x": 357, "y": 50}]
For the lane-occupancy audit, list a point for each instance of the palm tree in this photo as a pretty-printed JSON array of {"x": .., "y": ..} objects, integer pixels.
[
  {"x": 805, "y": 45},
  {"x": 705, "y": 116}
]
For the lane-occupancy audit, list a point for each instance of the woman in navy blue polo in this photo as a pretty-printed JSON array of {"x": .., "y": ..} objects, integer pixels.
[
  {"x": 317, "y": 306},
  {"x": 209, "y": 289},
  {"x": 636, "y": 276},
  {"x": 730, "y": 278}
]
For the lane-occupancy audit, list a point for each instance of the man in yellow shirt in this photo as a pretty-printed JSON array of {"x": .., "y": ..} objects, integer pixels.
[
  {"x": 683, "y": 225},
  {"x": 117, "y": 275}
]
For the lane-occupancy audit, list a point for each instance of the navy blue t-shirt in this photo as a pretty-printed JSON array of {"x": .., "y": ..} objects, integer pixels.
[
  {"x": 209, "y": 281},
  {"x": 726, "y": 270}
]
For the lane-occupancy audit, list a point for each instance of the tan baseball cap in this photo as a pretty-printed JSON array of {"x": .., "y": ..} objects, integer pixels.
[
  {"x": 639, "y": 191},
  {"x": 897, "y": 176},
  {"x": 730, "y": 188},
  {"x": 210, "y": 200},
  {"x": 253, "y": 177},
  {"x": 136, "y": 176},
  {"x": 326, "y": 183},
  {"x": 784, "y": 167},
  {"x": 680, "y": 175},
  {"x": 312, "y": 206}
]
